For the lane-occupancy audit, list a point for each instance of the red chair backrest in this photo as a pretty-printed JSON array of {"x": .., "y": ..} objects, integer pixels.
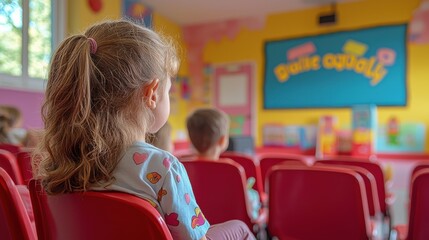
[
  {"x": 95, "y": 215},
  {"x": 317, "y": 203},
  {"x": 250, "y": 167},
  {"x": 370, "y": 187},
  {"x": 14, "y": 220},
  {"x": 266, "y": 162},
  {"x": 419, "y": 166},
  {"x": 9, "y": 163},
  {"x": 373, "y": 168},
  {"x": 419, "y": 207},
  {"x": 14, "y": 149},
  {"x": 24, "y": 163},
  {"x": 220, "y": 189}
]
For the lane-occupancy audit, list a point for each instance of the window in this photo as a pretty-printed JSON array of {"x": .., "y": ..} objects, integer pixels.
[{"x": 29, "y": 31}]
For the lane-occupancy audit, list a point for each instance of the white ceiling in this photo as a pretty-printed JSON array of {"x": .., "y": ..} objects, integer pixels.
[{"x": 187, "y": 12}]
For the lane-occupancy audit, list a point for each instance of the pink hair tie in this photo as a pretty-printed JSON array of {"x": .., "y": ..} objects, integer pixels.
[{"x": 92, "y": 45}]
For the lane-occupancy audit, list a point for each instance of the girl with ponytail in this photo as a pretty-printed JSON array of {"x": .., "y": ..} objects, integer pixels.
[{"x": 107, "y": 88}]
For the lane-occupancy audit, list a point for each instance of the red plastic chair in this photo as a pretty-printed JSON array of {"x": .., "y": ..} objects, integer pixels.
[
  {"x": 250, "y": 167},
  {"x": 419, "y": 166},
  {"x": 220, "y": 191},
  {"x": 376, "y": 171},
  {"x": 267, "y": 161},
  {"x": 95, "y": 215},
  {"x": 317, "y": 203},
  {"x": 14, "y": 220},
  {"x": 9, "y": 163},
  {"x": 14, "y": 149},
  {"x": 370, "y": 187},
  {"x": 24, "y": 163},
  {"x": 418, "y": 222}
]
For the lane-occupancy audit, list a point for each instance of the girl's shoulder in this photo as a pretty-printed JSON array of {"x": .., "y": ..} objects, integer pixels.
[{"x": 144, "y": 152}]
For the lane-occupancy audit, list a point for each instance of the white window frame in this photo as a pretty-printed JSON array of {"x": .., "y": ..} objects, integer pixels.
[{"x": 25, "y": 82}]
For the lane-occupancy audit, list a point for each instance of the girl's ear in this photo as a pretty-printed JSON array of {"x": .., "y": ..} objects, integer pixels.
[{"x": 150, "y": 93}]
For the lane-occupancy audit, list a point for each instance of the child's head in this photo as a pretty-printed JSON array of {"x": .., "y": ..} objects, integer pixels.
[
  {"x": 14, "y": 115},
  {"x": 106, "y": 89},
  {"x": 5, "y": 125},
  {"x": 162, "y": 138},
  {"x": 208, "y": 129}
]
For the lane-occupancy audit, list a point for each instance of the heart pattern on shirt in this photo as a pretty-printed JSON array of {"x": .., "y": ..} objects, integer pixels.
[
  {"x": 178, "y": 178},
  {"x": 198, "y": 219},
  {"x": 166, "y": 163},
  {"x": 153, "y": 177},
  {"x": 139, "y": 158},
  {"x": 187, "y": 198}
]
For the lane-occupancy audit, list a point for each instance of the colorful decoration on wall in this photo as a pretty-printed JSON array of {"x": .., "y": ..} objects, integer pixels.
[
  {"x": 180, "y": 90},
  {"x": 334, "y": 70},
  {"x": 300, "y": 137},
  {"x": 274, "y": 135},
  {"x": 327, "y": 137},
  {"x": 345, "y": 142},
  {"x": 197, "y": 36},
  {"x": 185, "y": 89},
  {"x": 392, "y": 130},
  {"x": 135, "y": 9},
  {"x": 95, "y": 5},
  {"x": 236, "y": 125},
  {"x": 207, "y": 87},
  {"x": 419, "y": 25},
  {"x": 395, "y": 137},
  {"x": 364, "y": 129}
]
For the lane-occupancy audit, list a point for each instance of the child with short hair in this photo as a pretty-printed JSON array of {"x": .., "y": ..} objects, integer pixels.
[
  {"x": 107, "y": 88},
  {"x": 208, "y": 131},
  {"x": 11, "y": 130},
  {"x": 5, "y": 126}
]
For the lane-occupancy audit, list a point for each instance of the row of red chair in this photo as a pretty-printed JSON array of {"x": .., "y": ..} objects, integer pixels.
[
  {"x": 354, "y": 187},
  {"x": 220, "y": 190},
  {"x": 318, "y": 202},
  {"x": 371, "y": 173},
  {"x": 92, "y": 215},
  {"x": 418, "y": 217},
  {"x": 219, "y": 187},
  {"x": 217, "y": 201},
  {"x": 16, "y": 163},
  {"x": 86, "y": 216},
  {"x": 14, "y": 219}
]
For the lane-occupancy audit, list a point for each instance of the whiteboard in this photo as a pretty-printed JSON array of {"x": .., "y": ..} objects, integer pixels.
[{"x": 233, "y": 90}]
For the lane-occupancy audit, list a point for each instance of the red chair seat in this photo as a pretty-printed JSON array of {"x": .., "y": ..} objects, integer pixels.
[
  {"x": 9, "y": 163},
  {"x": 220, "y": 190},
  {"x": 95, "y": 215},
  {"x": 309, "y": 203},
  {"x": 14, "y": 220}
]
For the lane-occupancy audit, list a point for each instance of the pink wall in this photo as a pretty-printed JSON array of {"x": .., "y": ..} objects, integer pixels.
[{"x": 29, "y": 103}]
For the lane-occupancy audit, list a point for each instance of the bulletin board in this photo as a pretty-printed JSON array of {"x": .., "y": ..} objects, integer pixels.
[
  {"x": 137, "y": 11},
  {"x": 341, "y": 69}
]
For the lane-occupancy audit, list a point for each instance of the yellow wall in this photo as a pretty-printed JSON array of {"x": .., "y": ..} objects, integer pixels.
[
  {"x": 248, "y": 45},
  {"x": 80, "y": 16},
  {"x": 366, "y": 13}
]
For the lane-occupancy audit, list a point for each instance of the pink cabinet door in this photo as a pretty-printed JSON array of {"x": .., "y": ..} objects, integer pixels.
[{"x": 233, "y": 85}]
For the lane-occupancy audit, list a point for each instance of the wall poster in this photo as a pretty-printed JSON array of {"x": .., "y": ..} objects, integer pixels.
[{"x": 339, "y": 69}]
